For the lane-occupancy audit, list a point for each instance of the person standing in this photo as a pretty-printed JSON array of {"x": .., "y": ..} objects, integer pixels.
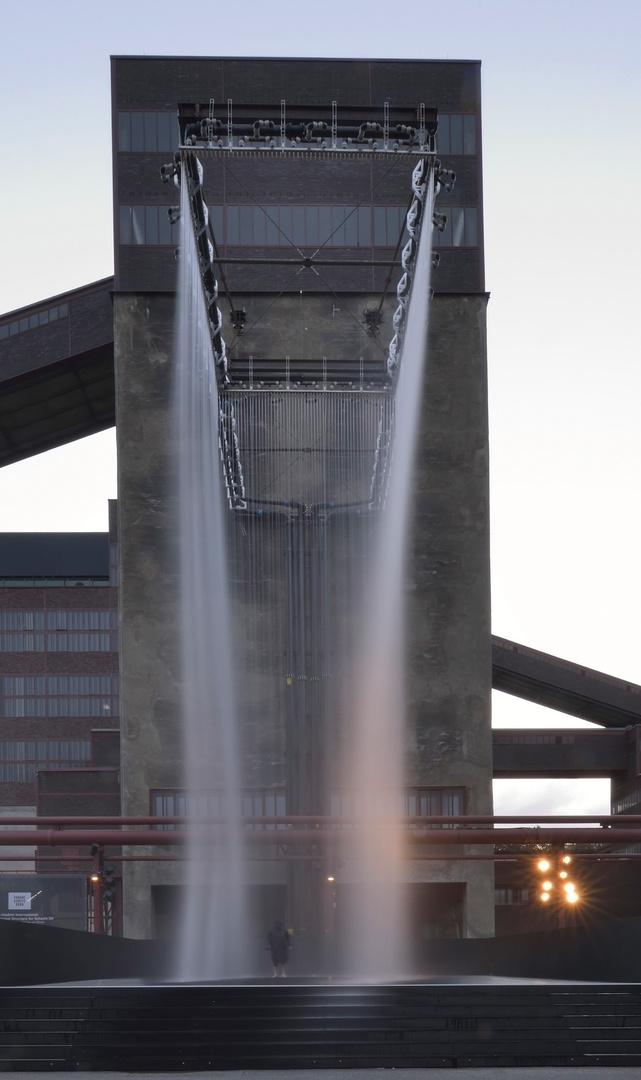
[{"x": 279, "y": 944}]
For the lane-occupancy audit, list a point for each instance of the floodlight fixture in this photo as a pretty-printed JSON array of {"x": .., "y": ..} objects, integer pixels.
[
  {"x": 167, "y": 171},
  {"x": 446, "y": 178}
]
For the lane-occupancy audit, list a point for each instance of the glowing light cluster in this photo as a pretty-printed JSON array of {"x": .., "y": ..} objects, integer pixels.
[{"x": 561, "y": 889}]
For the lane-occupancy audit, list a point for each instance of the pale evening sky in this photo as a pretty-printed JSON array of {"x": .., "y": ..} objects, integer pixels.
[{"x": 562, "y": 159}]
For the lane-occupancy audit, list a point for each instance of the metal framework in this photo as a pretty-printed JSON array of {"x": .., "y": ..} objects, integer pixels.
[
  {"x": 325, "y": 140},
  {"x": 241, "y": 133}
]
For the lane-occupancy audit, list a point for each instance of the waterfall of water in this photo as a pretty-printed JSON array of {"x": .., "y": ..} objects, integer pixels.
[
  {"x": 304, "y": 451},
  {"x": 376, "y": 944},
  {"x": 214, "y": 936}
]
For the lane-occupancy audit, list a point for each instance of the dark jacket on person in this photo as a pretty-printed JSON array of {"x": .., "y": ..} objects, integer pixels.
[{"x": 279, "y": 942}]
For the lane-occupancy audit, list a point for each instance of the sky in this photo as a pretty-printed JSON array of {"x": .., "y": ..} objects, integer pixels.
[{"x": 561, "y": 85}]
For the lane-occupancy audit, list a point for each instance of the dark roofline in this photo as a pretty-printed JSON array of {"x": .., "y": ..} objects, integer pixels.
[
  {"x": 82, "y": 290},
  {"x": 298, "y": 59},
  {"x": 54, "y": 555}
]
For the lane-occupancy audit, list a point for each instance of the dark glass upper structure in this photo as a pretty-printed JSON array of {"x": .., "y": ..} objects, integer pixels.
[{"x": 260, "y": 214}]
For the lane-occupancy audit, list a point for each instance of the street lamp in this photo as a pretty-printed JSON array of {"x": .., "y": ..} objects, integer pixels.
[{"x": 556, "y": 887}]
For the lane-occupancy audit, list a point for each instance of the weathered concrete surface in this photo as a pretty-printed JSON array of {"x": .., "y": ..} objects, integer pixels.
[
  {"x": 151, "y": 744},
  {"x": 449, "y": 663},
  {"x": 448, "y": 633}
]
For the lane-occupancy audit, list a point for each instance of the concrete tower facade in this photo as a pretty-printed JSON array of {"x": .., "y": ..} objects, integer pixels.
[{"x": 307, "y": 262}]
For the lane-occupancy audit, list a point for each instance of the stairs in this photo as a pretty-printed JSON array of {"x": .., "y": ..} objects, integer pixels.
[{"x": 294, "y": 1026}]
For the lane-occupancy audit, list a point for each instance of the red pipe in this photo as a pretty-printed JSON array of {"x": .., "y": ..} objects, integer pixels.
[
  {"x": 309, "y": 819},
  {"x": 154, "y": 837},
  {"x": 512, "y": 857}
]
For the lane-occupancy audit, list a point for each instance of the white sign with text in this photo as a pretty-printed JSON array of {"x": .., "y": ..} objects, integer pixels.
[{"x": 19, "y": 901}]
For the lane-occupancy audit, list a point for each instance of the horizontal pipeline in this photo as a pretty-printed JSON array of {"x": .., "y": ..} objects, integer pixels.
[
  {"x": 459, "y": 856},
  {"x": 326, "y": 821},
  {"x": 431, "y": 837}
]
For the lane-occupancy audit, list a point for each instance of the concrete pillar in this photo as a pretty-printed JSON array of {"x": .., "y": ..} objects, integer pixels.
[
  {"x": 449, "y": 644},
  {"x": 151, "y": 746}
]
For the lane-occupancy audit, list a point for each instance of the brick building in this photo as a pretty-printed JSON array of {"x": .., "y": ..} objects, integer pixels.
[{"x": 59, "y": 676}]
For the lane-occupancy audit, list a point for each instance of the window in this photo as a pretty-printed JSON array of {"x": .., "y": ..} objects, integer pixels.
[
  {"x": 31, "y": 322},
  {"x": 22, "y": 642},
  {"x": 22, "y": 684},
  {"x": 21, "y": 620},
  {"x": 267, "y": 802},
  {"x": 435, "y": 802},
  {"x": 512, "y": 740},
  {"x": 22, "y": 706},
  {"x": 82, "y": 684},
  {"x": 81, "y": 620},
  {"x": 20, "y": 760},
  {"x": 59, "y": 695},
  {"x": 302, "y": 226},
  {"x": 64, "y": 753},
  {"x": 147, "y": 225},
  {"x": 414, "y": 802},
  {"x": 68, "y": 641},
  {"x": 461, "y": 229},
  {"x": 505, "y": 897},
  {"x": 17, "y": 695},
  {"x": 20, "y": 582},
  {"x": 627, "y": 802},
  {"x": 76, "y": 706},
  {"x": 148, "y": 131},
  {"x": 81, "y": 642},
  {"x": 534, "y": 740},
  {"x": 456, "y": 134},
  {"x": 270, "y": 802},
  {"x": 113, "y": 564}
]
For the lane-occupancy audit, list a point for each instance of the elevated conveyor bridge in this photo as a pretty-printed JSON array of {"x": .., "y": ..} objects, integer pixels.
[{"x": 564, "y": 686}]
